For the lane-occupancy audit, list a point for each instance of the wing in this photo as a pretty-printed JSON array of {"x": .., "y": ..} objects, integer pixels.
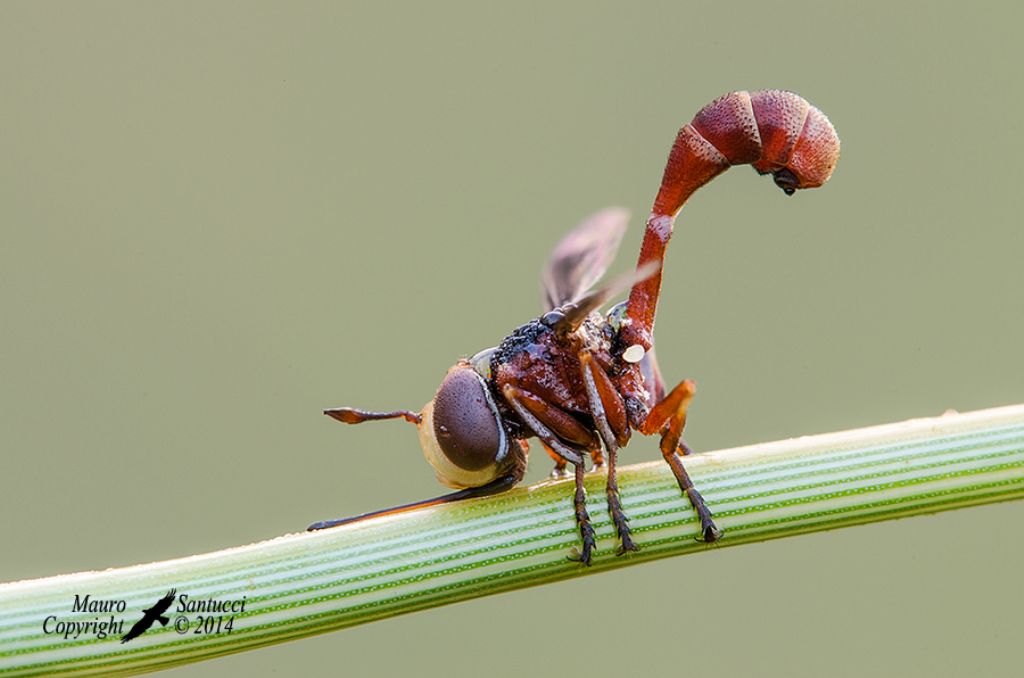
[
  {"x": 582, "y": 257},
  {"x": 575, "y": 312}
]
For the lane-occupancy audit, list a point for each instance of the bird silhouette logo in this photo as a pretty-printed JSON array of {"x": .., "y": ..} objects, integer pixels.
[{"x": 150, "y": 615}]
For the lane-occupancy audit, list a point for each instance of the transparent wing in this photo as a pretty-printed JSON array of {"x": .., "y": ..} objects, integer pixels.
[
  {"x": 582, "y": 257},
  {"x": 575, "y": 312}
]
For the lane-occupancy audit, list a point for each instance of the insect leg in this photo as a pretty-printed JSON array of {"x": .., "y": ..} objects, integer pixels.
[
  {"x": 609, "y": 414},
  {"x": 579, "y": 502},
  {"x": 494, "y": 487},
  {"x": 655, "y": 387},
  {"x": 560, "y": 463},
  {"x": 537, "y": 419},
  {"x": 551, "y": 424},
  {"x": 669, "y": 417}
]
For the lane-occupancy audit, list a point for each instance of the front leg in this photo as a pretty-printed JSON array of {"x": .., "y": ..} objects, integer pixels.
[
  {"x": 543, "y": 419},
  {"x": 669, "y": 417},
  {"x": 579, "y": 502}
]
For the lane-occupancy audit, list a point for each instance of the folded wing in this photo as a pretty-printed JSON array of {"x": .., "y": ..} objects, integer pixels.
[{"x": 582, "y": 257}]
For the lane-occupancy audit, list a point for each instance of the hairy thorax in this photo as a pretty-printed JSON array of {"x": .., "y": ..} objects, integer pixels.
[{"x": 541, "y": 361}]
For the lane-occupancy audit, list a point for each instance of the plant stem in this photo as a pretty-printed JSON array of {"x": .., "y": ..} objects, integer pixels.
[{"x": 302, "y": 584}]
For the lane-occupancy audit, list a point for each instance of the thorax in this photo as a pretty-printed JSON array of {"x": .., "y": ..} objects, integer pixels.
[{"x": 546, "y": 363}]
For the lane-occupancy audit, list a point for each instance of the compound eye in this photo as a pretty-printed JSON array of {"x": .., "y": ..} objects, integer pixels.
[{"x": 466, "y": 422}]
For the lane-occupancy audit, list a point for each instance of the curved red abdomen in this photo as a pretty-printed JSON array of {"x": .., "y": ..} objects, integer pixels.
[
  {"x": 776, "y": 131},
  {"x": 770, "y": 129}
]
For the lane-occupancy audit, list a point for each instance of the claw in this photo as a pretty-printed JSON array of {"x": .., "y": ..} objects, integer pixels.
[
  {"x": 585, "y": 555},
  {"x": 627, "y": 547},
  {"x": 710, "y": 533}
]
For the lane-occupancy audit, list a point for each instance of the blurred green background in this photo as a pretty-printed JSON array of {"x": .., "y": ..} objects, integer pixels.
[{"x": 218, "y": 218}]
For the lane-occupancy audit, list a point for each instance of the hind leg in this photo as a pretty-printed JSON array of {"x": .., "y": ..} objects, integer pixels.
[
  {"x": 559, "y": 471},
  {"x": 669, "y": 417}
]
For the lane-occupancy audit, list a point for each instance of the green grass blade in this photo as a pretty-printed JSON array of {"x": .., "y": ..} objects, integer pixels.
[{"x": 309, "y": 583}]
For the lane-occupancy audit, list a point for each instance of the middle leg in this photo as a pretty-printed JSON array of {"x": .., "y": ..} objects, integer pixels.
[
  {"x": 579, "y": 502},
  {"x": 609, "y": 414}
]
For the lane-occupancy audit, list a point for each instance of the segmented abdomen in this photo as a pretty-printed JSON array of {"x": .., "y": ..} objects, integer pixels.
[{"x": 776, "y": 131}]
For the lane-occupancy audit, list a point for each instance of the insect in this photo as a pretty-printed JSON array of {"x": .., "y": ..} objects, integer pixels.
[{"x": 579, "y": 381}]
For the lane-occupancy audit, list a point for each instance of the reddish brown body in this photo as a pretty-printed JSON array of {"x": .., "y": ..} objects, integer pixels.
[{"x": 580, "y": 381}]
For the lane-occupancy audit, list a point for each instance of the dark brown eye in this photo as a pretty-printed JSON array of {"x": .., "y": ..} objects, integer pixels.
[{"x": 467, "y": 426}]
